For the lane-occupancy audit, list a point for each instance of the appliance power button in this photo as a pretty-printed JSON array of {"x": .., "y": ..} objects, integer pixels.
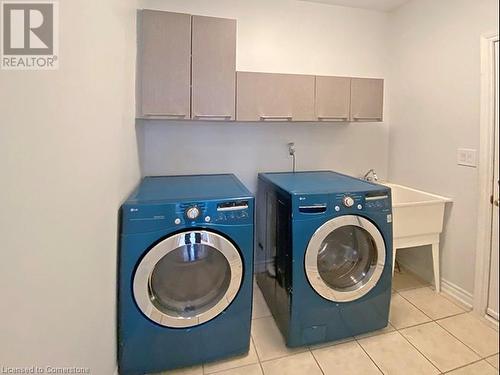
[
  {"x": 348, "y": 201},
  {"x": 192, "y": 213}
]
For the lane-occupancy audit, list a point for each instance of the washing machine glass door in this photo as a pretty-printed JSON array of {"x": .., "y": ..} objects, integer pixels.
[
  {"x": 188, "y": 279},
  {"x": 345, "y": 258}
]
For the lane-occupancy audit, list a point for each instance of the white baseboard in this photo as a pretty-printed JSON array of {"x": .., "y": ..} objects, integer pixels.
[
  {"x": 450, "y": 289},
  {"x": 492, "y": 313},
  {"x": 454, "y": 291}
]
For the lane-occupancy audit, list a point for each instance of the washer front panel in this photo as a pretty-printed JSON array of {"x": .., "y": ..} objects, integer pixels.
[
  {"x": 360, "y": 287},
  {"x": 189, "y": 241}
]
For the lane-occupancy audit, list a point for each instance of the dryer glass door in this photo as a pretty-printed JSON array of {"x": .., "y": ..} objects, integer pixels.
[
  {"x": 345, "y": 258},
  {"x": 188, "y": 279}
]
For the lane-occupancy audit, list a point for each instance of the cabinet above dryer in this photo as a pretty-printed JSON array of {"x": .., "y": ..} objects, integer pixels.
[
  {"x": 213, "y": 67},
  {"x": 164, "y": 65},
  {"x": 186, "y": 66}
]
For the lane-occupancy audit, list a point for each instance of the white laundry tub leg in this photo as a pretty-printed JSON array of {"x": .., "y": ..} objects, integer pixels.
[{"x": 435, "y": 263}]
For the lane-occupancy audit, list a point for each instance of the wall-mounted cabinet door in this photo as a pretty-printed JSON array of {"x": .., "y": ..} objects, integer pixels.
[
  {"x": 213, "y": 68},
  {"x": 164, "y": 70},
  {"x": 333, "y": 98},
  {"x": 367, "y": 99},
  {"x": 274, "y": 97}
]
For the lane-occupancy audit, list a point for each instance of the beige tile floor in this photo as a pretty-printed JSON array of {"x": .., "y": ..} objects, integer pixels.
[{"x": 428, "y": 334}]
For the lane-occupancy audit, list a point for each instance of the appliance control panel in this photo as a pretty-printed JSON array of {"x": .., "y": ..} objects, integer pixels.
[
  {"x": 232, "y": 206},
  {"x": 226, "y": 212},
  {"x": 232, "y": 211},
  {"x": 348, "y": 202},
  {"x": 376, "y": 201}
]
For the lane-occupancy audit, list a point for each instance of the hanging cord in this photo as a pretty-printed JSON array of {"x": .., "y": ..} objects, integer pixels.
[{"x": 291, "y": 152}]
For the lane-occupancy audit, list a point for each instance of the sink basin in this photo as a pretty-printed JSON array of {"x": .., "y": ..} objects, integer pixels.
[
  {"x": 417, "y": 219},
  {"x": 415, "y": 213}
]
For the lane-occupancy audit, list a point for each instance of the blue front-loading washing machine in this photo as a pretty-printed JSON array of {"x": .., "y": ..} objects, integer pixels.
[
  {"x": 324, "y": 254},
  {"x": 185, "y": 272}
]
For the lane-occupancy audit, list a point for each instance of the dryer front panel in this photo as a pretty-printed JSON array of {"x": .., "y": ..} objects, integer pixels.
[
  {"x": 345, "y": 258},
  {"x": 188, "y": 279}
]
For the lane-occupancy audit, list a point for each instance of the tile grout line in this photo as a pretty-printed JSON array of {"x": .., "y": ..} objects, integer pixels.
[
  {"x": 262, "y": 317},
  {"x": 427, "y": 322},
  {"x": 418, "y": 350},
  {"x": 481, "y": 358},
  {"x": 436, "y": 321},
  {"x": 491, "y": 356},
  {"x": 411, "y": 303},
  {"x": 468, "y": 364},
  {"x": 235, "y": 367},
  {"x": 316, "y": 360},
  {"x": 432, "y": 319},
  {"x": 261, "y": 362},
  {"x": 395, "y": 330},
  {"x": 454, "y": 301},
  {"x": 453, "y": 335},
  {"x": 412, "y": 288},
  {"x": 369, "y": 356},
  {"x": 398, "y": 330},
  {"x": 257, "y": 354},
  {"x": 286, "y": 355},
  {"x": 448, "y": 298}
]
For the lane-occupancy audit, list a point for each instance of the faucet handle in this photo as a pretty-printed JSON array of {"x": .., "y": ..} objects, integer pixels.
[{"x": 373, "y": 176}]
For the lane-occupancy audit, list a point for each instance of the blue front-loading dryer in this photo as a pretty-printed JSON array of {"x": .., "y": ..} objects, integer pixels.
[
  {"x": 185, "y": 272},
  {"x": 324, "y": 254}
]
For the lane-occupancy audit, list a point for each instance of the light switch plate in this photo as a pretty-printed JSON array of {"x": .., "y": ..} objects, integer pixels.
[{"x": 467, "y": 157}]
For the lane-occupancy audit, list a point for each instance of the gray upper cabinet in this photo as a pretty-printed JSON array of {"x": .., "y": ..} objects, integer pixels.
[
  {"x": 164, "y": 64},
  {"x": 213, "y": 68},
  {"x": 187, "y": 70},
  {"x": 274, "y": 97},
  {"x": 333, "y": 98},
  {"x": 367, "y": 99}
]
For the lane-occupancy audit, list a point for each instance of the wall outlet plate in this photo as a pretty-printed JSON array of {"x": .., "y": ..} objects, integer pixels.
[{"x": 467, "y": 157}]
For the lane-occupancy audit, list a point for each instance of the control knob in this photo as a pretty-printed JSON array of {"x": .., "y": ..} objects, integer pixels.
[
  {"x": 192, "y": 213},
  {"x": 348, "y": 201}
]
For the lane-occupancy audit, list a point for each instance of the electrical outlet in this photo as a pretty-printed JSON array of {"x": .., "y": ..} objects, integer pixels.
[{"x": 466, "y": 157}]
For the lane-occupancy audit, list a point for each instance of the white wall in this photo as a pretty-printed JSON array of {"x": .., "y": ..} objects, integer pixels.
[
  {"x": 435, "y": 83},
  {"x": 284, "y": 36},
  {"x": 68, "y": 149},
  {"x": 246, "y": 149},
  {"x": 68, "y": 156}
]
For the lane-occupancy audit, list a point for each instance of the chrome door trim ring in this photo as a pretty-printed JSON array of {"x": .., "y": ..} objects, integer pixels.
[
  {"x": 312, "y": 251},
  {"x": 141, "y": 281}
]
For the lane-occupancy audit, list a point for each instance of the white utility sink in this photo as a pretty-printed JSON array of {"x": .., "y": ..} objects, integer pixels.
[{"x": 417, "y": 220}]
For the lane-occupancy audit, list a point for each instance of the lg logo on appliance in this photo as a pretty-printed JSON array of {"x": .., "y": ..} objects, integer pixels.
[{"x": 30, "y": 35}]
